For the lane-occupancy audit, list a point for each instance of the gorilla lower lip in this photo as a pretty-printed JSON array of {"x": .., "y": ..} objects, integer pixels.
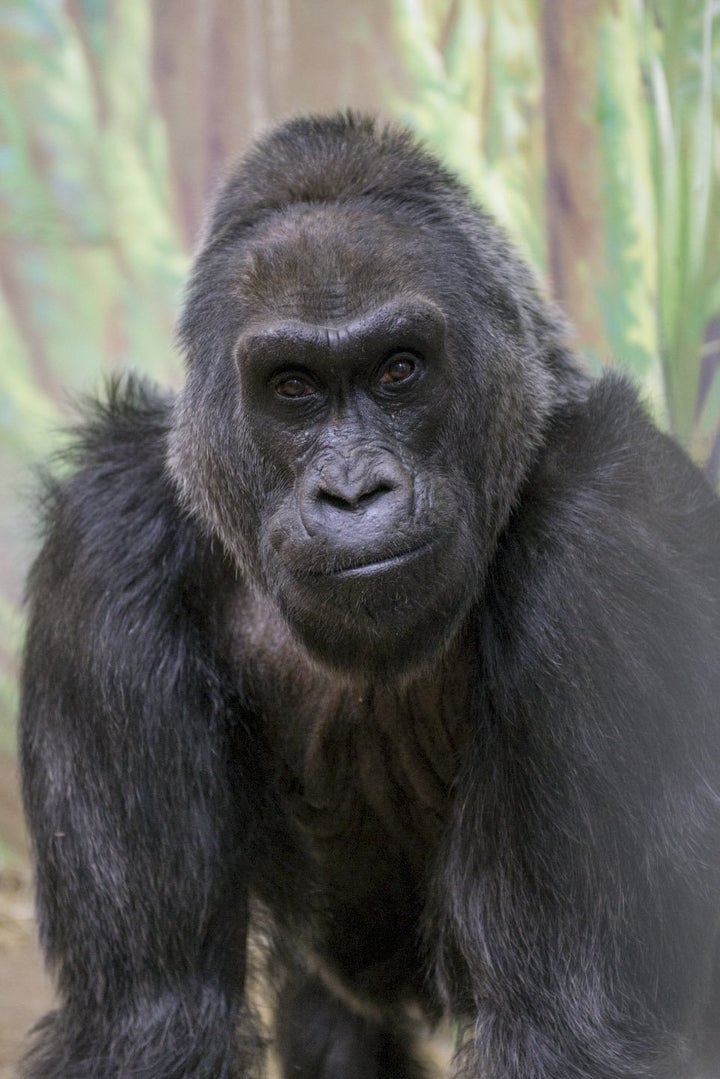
[{"x": 382, "y": 565}]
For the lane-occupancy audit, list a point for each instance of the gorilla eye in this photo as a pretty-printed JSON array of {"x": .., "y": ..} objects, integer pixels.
[
  {"x": 399, "y": 368},
  {"x": 294, "y": 387}
]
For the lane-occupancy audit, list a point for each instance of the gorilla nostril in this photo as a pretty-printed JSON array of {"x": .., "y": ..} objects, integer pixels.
[
  {"x": 351, "y": 499},
  {"x": 338, "y": 502},
  {"x": 376, "y": 493}
]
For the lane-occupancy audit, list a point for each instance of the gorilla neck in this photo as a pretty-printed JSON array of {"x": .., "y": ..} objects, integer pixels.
[{"x": 348, "y": 744}]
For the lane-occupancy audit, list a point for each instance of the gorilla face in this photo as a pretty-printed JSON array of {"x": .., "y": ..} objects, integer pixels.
[
  {"x": 336, "y": 431},
  {"x": 359, "y": 545},
  {"x": 344, "y": 386}
]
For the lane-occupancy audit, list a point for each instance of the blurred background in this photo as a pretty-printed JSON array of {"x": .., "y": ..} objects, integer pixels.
[{"x": 590, "y": 128}]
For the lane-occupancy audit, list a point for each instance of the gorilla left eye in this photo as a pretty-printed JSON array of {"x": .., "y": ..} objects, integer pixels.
[
  {"x": 399, "y": 368},
  {"x": 294, "y": 387}
]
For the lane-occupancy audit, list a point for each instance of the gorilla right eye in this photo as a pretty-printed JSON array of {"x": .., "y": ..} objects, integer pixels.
[
  {"x": 294, "y": 387},
  {"x": 399, "y": 368}
]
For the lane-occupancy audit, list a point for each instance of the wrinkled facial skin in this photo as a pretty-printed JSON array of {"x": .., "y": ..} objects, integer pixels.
[
  {"x": 361, "y": 549},
  {"x": 337, "y": 432}
]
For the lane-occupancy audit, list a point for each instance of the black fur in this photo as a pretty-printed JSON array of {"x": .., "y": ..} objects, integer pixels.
[{"x": 393, "y": 635}]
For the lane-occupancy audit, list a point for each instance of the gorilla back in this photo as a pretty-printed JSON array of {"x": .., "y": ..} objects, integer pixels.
[{"x": 394, "y": 634}]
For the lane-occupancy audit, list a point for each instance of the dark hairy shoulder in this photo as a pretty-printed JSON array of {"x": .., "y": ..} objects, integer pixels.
[
  {"x": 118, "y": 544},
  {"x": 604, "y": 456},
  {"x": 612, "y": 556},
  {"x": 116, "y": 453}
]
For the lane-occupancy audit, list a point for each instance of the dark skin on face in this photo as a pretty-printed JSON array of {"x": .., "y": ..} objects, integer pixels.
[
  {"x": 344, "y": 405},
  {"x": 338, "y": 405}
]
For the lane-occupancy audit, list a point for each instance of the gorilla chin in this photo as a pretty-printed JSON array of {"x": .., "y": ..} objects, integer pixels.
[{"x": 378, "y": 628}]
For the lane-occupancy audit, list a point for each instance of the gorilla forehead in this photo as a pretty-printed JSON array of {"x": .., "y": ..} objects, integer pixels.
[{"x": 329, "y": 263}]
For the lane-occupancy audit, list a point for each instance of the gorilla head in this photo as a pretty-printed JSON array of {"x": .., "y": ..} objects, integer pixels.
[{"x": 370, "y": 371}]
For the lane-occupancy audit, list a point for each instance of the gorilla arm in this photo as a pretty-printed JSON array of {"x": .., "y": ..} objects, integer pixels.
[
  {"x": 140, "y": 771},
  {"x": 585, "y": 811}
]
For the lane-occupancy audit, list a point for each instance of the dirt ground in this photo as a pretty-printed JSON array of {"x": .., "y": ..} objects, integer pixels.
[{"x": 24, "y": 988}]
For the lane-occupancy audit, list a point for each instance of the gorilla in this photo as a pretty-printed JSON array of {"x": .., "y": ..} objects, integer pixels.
[{"x": 390, "y": 645}]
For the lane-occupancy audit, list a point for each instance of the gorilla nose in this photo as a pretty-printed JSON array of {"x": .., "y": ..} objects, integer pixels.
[{"x": 359, "y": 502}]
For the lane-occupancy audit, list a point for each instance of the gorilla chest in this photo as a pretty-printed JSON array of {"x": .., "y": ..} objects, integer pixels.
[
  {"x": 370, "y": 765},
  {"x": 361, "y": 764}
]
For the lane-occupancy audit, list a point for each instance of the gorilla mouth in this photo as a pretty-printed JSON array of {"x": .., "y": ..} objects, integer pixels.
[{"x": 380, "y": 565}]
